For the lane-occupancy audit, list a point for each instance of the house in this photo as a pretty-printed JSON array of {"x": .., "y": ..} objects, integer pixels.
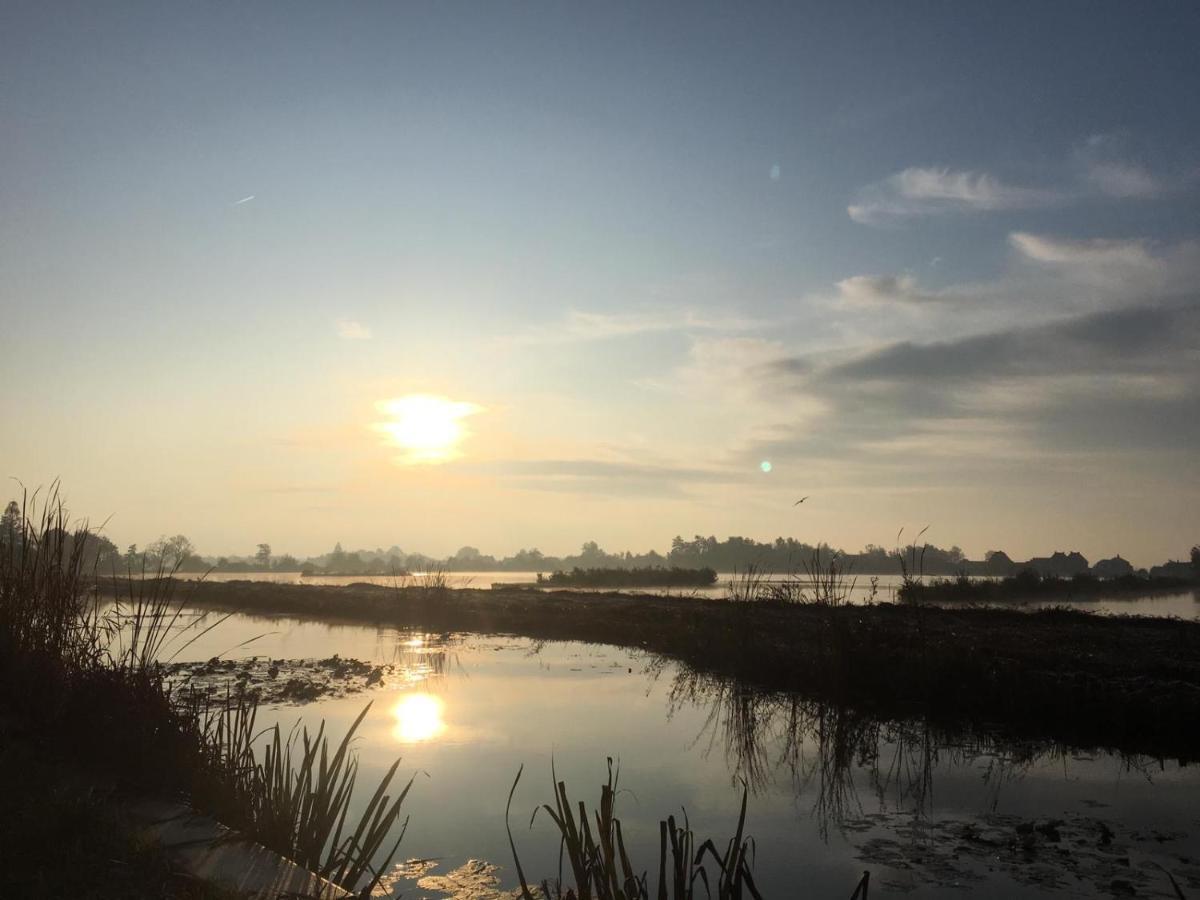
[
  {"x": 1112, "y": 568},
  {"x": 1060, "y": 565},
  {"x": 1174, "y": 569}
]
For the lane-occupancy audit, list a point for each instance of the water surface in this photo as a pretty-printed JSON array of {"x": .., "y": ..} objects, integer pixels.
[{"x": 832, "y": 793}]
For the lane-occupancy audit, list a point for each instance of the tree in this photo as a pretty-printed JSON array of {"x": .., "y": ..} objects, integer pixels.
[
  {"x": 263, "y": 555},
  {"x": 170, "y": 551},
  {"x": 1196, "y": 560},
  {"x": 286, "y": 563},
  {"x": 11, "y": 527}
]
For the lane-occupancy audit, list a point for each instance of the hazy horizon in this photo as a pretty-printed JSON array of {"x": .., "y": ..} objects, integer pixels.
[{"x": 537, "y": 275}]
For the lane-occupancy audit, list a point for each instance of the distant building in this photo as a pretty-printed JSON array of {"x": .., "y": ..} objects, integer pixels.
[
  {"x": 1174, "y": 569},
  {"x": 998, "y": 563},
  {"x": 1060, "y": 565},
  {"x": 1112, "y": 568}
]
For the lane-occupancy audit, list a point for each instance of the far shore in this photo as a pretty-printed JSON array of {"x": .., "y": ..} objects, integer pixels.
[{"x": 1125, "y": 683}]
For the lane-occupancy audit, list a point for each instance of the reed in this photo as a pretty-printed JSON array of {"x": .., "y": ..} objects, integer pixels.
[
  {"x": 912, "y": 563},
  {"x": 97, "y": 669},
  {"x": 748, "y": 585},
  {"x": 600, "y": 864},
  {"x": 832, "y": 581}
]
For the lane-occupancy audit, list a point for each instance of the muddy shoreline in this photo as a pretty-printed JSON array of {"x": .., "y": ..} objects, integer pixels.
[{"x": 1123, "y": 683}]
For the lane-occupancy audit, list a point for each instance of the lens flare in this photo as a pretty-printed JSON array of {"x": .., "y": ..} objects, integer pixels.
[{"x": 765, "y": 465}]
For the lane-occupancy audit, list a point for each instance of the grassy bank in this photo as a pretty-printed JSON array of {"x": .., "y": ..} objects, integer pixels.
[
  {"x": 1125, "y": 683},
  {"x": 1029, "y": 586}
]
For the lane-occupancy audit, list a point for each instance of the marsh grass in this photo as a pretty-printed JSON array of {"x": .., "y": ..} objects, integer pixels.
[
  {"x": 912, "y": 563},
  {"x": 824, "y": 579},
  {"x": 749, "y": 585},
  {"x": 600, "y": 865},
  {"x": 832, "y": 581},
  {"x": 71, "y": 666}
]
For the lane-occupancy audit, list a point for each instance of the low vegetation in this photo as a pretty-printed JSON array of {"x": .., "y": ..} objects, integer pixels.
[
  {"x": 1031, "y": 586},
  {"x": 646, "y": 576}
]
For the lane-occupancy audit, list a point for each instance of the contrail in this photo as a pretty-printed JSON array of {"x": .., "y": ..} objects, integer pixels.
[{"x": 244, "y": 200}]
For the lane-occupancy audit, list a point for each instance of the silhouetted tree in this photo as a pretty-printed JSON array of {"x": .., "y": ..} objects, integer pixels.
[
  {"x": 171, "y": 551},
  {"x": 1196, "y": 560},
  {"x": 263, "y": 555},
  {"x": 11, "y": 530}
]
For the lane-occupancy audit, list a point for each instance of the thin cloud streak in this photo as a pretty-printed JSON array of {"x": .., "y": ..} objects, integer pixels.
[
  {"x": 580, "y": 326},
  {"x": 918, "y": 191}
]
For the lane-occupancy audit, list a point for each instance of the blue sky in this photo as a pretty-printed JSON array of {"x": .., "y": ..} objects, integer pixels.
[{"x": 937, "y": 262}]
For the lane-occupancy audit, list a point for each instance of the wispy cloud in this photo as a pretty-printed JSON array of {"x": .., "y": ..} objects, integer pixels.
[
  {"x": 1107, "y": 167},
  {"x": 349, "y": 330},
  {"x": 245, "y": 199},
  {"x": 608, "y": 477},
  {"x": 579, "y": 326},
  {"x": 918, "y": 191},
  {"x": 1097, "y": 252},
  {"x": 1103, "y": 166},
  {"x": 884, "y": 290},
  {"x": 1114, "y": 270}
]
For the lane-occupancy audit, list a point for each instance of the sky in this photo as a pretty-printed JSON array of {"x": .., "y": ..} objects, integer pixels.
[{"x": 647, "y": 270}]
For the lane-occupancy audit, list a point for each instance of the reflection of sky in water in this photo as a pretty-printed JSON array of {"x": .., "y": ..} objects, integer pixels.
[{"x": 474, "y": 709}]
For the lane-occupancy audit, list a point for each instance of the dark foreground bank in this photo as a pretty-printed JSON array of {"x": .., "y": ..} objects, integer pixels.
[{"x": 1124, "y": 683}]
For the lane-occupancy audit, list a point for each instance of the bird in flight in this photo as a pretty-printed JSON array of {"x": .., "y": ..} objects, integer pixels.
[{"x": 801, "y": 500}]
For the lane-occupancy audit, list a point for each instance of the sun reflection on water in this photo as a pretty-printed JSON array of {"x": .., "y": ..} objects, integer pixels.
[{"x": 418, "y": 718}]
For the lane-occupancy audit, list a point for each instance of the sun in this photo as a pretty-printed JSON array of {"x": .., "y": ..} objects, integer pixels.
[
  {"x": 418, "y": 718},
  {"x": 427, "y": 428}
]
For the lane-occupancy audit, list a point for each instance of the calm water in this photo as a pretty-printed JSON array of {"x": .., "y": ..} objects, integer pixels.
[
  {"x": 1184, "y": 605},
  {"x": 831, "y": 793}
]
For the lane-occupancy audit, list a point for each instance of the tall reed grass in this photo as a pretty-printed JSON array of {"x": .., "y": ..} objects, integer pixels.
[
  {"x": 71, "y": 666},
  {"x": 600, "y": 864},
  {"x": 592, "y": 845}
]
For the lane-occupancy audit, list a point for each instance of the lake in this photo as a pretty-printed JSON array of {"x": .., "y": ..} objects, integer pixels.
[{"x": 831, "y": 792}]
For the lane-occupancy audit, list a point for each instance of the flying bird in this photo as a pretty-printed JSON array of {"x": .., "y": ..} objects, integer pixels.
[{"x": 801, "y": 500}]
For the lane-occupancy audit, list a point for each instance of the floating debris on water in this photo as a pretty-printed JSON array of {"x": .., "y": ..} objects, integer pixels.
[
  {"x": 1078, "y": 854},
  {"x": 289, "y": 681}
]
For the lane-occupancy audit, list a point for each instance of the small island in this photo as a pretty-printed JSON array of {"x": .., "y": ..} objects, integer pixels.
[{"x": 647, "y": 576}]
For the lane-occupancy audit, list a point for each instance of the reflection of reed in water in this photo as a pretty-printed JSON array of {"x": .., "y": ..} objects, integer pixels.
[
  {"x": 421, "y": 656},
  {"x": 838, "y": 753}
]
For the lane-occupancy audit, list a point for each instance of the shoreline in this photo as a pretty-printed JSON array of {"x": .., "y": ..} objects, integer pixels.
[{"x": 1124, "y": 683}]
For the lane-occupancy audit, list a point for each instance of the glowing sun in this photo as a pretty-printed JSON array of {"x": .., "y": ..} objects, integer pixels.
[
  {"x": 428, "y": 429},
  {"x": 418, "y": 718}
]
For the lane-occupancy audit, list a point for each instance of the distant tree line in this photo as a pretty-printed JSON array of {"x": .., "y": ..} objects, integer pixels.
[{"x": 781, "y": 556}]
